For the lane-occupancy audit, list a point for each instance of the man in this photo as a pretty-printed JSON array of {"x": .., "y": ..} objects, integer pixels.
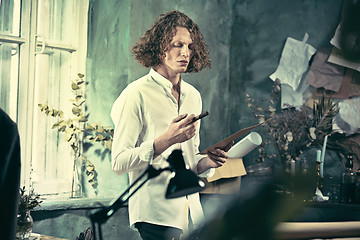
[{"x": 152, "y": 117}]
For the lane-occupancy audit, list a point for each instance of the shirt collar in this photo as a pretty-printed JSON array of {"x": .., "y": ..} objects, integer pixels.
[
  {"x": 162, "y": 81},
  {"x": 158, "y": 78}
]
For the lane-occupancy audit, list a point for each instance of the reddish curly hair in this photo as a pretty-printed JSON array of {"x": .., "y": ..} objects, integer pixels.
[{"x": 151, "y": 47}]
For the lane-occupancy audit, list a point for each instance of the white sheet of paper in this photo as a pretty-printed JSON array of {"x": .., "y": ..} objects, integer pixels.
[
  {"x": 298, "y": 97},
  {"x": 336, "y": 56},
  {"x": 293, "y": 62},
  {"x": 335, "y": 41}
]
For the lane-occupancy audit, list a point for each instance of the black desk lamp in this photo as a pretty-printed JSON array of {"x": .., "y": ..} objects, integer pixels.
[{"x": 183, "y": 183}]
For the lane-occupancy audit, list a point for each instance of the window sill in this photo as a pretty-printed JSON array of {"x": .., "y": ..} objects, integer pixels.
[{"x": 73, "y": 203}]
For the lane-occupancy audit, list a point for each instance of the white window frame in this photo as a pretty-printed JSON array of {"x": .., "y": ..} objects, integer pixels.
[{"x": 32, "y": 45}]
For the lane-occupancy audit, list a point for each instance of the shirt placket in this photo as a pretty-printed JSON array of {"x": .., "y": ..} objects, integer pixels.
[{"x": 175, "y": 104}]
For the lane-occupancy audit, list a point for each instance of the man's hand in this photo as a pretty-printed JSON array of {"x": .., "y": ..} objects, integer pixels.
[
  {"x": 180, "y": 130},
  {"x": 215, "y": 158}
]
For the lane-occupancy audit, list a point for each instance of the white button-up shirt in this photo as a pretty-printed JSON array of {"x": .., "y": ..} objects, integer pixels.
[{"x": 142, "y": 112}]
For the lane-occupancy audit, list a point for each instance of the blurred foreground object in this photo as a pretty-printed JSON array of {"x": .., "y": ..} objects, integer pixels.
[
  {"x": 312, "y": 230},
  {"x": 255, "y": 213},
  {"x": 9, "y": 175}
]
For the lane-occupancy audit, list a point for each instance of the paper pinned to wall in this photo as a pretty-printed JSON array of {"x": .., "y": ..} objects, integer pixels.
[
  {"x": 323, "y": 74},
  {"x": 293, "y": 62},
  {"x": 336, "y": 56},
  {"x": 298, "y": 97},
  {"x": 335, "y": 40},
  {"x": 348, "y": 118}
]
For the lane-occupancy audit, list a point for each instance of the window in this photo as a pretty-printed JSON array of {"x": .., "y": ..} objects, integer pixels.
[
  {"x": 9, "y": 55},
  {"x": 42, "y": 49}
]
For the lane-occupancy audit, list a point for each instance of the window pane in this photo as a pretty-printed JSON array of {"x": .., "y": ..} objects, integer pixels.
[
  {"x": 10, "y": 17},
  {"x": 9, "y": 62},
  {"x": 51, "y": 161},
  {"x": 56, "y": 20}
]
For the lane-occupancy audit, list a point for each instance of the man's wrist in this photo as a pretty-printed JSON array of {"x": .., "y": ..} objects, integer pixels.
[
  {"x": 203, "y": 165},
  {"x": 161, "y": 143}
]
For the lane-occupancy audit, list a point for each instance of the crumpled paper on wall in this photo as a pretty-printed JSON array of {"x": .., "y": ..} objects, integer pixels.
[
  {"x": 324, "y": 74},
  {"x": 298, "y": 97},
  {"x": 293, "y": 62},
  {"x": 350, "y": 86},
  {"x": 348, "y": 118}
]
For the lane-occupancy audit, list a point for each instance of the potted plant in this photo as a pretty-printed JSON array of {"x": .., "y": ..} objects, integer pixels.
[{"x": 27, "y": 202}]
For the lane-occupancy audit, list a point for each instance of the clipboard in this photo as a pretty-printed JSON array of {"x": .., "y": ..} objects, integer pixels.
[{"x": 223, "y": 143}]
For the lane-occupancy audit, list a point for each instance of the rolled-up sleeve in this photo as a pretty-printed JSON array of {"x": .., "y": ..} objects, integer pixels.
[{"x": 208, "y": 173}]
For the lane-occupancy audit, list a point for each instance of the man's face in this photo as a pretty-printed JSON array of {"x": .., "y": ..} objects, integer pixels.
[{"x": 179, "y": 51}]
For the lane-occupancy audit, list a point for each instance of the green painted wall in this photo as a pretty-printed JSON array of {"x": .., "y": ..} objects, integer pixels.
[{"x": 246, "y": 40}]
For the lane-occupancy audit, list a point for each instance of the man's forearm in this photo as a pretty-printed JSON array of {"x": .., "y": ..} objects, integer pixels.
[
  {"x": 203, "y": 165},
  {"x": 161, "y": 143}
]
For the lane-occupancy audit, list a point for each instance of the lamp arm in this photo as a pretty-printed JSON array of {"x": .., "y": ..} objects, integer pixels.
[
  {"x": 152, "y": 172},
  {"x": 102, "y": 215}
]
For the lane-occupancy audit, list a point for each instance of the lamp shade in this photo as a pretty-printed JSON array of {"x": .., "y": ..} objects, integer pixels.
[{"x": 185, "y": 181}]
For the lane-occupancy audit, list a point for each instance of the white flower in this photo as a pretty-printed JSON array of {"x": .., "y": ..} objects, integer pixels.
[
  {"x": 289, "y": 136},
  {"x": 312, "y": 133}
]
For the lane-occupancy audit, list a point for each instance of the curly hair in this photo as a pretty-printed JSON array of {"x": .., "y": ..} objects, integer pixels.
[{"x": 151, "y": 47}]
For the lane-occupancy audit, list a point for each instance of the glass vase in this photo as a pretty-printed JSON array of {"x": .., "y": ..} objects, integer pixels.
[{"x": 24, "y": 225}]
